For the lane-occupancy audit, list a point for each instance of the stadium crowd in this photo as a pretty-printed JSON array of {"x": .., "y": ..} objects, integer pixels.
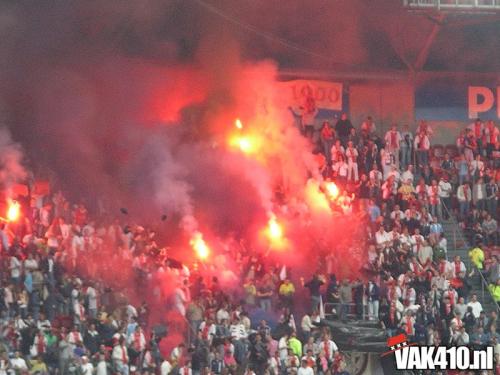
[{"x": 59, "y": 315}]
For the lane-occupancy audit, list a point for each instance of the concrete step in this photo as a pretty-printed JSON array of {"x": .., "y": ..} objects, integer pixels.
[{"x": 455, "y": 237}]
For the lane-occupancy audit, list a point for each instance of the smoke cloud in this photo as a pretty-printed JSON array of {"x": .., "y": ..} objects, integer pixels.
[
  {"x": 11, "y": 160},
  {"x": 136, "y": 105}
]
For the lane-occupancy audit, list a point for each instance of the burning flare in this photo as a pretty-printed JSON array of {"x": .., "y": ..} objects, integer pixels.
[
  {"x": 275, "y": 234},
  {"x": 13, "y": 211},
  {"x": 315, "y": 199},
  {"x": 242, "y": 140},
  {"x": 332, "y": 191},
  {"x": 199, "y": 246},
  {"x": 275, "y": 230},
  {"x": 238, "y": 124},
  {"x": 245, "y": 145}
]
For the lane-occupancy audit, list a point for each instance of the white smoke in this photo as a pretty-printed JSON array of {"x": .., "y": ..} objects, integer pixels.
[{"x": 11, "y": 160}]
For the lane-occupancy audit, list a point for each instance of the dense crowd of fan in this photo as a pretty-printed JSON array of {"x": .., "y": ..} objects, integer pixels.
[{"x": 60, "y": 315}]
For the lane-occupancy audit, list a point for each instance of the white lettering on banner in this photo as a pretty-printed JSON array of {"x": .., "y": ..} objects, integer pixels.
[
  {"x": 441, "y": 357},
  {"x": 327, "y": 95},
  {"x": 482, "y": 99}
]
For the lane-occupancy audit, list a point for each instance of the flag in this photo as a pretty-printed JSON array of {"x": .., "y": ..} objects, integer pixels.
[
  {"x": 283, "y": 273},
  {"x": 292, "y": 322},
  {"x": 321, "y": 308}
]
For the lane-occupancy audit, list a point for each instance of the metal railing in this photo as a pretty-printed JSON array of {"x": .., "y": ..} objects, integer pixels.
[
  {"x": 451, "y": 217},
  {"x": 329, "y": 306},
  {"x": 191, "y": 334},
  {"x": 454, "y": 4}
]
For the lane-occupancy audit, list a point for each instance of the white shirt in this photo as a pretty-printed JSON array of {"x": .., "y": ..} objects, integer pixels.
[
  {"x": 476, "y": 164},
  {"x": 131, "y": 311},
  {"x": 389, "y": 138},
  {"x": 3, "y": 366},
  {"x": 342, "y": 168},
  {"x": 180, "y": 300},
  {"x": 397, "y": 214},
  {"x": 476, "y": 308},
  {"x": 375, "y": 175},
  {"x": 417, "y": 242},
  {"x": 444, "y": 189},
  {"x": 221, "y": 315},
  {"x": 334, "y": 152},
  {"x": 30, "y": 264},
  {"x": 166, "y": 367},
  {"x": 425, "y": 254},
  {"x": 102, "y": 368},
  {"x": 305, "y": 371},
  {"x": 18, "y": 363},
  {"x": 453, "y": 268},
  {"x": 407, "y": 175},
  {"x": 443, "y": 243},
  {"x": 87, "y": 369},
  {"x": 381, "y": 238},
  {"x": 15, "y": 267},
  {"x": 119, "y": 353},
  {"x": 238, "y": 331},
  {"x": 50, "y": 262},
  {"x": 283, "y": 348},
  {"x": 332, "y": 348},
  {"x": 306, "y": 323},
  {"x": 424, "y": 142},
  {"x": 92, "y": 295},
  {"x": 351, "y": 154},
  {"x": 461, "y": 338},
  {"x": 461, "y": 196},
  {"x": 137, "y": 344},
  {"x": 479, "y": 192}
]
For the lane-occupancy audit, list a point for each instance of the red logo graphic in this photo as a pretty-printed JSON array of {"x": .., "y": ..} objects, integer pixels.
[{"x": 397, "y": 342}]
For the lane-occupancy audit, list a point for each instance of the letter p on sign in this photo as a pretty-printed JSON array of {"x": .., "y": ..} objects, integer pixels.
[{"x": 481, "y": 99}]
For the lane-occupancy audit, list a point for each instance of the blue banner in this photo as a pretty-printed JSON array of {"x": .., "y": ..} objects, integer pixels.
[{"x": 448, "y": 101}]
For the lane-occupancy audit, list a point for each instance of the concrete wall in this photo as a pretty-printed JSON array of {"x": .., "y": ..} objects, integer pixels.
[
  {"x": 389, "y": 102},
  {"x": 390, "y": 97},
  {"x": 386, "y": 102},
  {"x": 446, "y": 132}
]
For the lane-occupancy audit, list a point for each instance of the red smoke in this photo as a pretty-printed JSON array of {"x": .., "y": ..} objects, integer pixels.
[
  {"x": 167, "y": 102},
  {"x": 106, "y": 117}
]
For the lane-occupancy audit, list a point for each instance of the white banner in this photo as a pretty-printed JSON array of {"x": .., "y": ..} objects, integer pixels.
[{"x": 327, "y": 95}]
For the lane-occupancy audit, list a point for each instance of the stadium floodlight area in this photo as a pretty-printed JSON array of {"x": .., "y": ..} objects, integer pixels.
[{"x": 453, "y": 5}]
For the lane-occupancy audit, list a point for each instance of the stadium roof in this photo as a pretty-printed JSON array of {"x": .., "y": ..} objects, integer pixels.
[
  {"x": 323, "y": 35},
  {"x": 361, "y": 35}
]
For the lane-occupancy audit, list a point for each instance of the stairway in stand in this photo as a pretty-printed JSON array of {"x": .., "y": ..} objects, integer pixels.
[{"x": 458, "y": 245}]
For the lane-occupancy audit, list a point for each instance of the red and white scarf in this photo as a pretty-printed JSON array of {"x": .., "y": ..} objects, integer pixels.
[
  {"x": 442, "y": 268},
  {"x": 124, "y": 354},
  {"x": 458, "y": 267},
  {"x": 40, "y": 344},
  {"x": 326, "y": 348},
  {"x": 409, "y": 326},
  {"x": 137, "y": 341},
  {"x": 392, "y": 314},
  {"x": 451, "y": 296}
]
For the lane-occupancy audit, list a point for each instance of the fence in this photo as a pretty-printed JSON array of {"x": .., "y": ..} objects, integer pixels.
[
  {"x": 454, "y": 4},
  {"x": 333, "y": 310}
]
